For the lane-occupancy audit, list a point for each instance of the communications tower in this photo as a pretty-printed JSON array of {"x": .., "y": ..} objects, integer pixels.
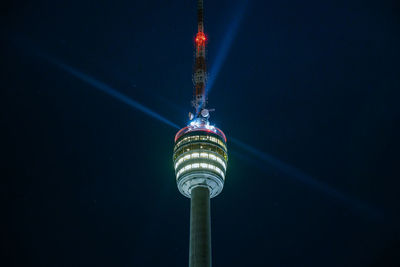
[{"x": 200, "y": 157}]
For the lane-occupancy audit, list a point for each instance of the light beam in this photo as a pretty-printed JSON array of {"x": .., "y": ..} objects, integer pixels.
[
  {"x": 226, "y": 45},
  {"x": 111, "y": 92},
  {"x": 307, "y": 179}
]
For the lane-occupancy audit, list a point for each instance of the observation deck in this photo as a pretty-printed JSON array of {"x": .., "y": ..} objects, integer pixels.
[{"x": 200, "y": 158}]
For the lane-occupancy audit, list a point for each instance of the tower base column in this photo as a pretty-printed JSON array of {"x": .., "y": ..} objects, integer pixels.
[{"x": 200, "y": 228}]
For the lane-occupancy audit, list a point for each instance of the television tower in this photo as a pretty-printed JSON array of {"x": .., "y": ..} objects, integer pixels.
[{"x": 200, "y": 157}]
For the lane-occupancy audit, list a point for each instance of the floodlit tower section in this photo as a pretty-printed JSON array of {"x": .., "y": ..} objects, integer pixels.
[{"x": 200, "y": 161}]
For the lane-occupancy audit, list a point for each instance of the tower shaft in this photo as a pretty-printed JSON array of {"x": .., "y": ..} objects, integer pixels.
[{"x": 200, "y": 228}]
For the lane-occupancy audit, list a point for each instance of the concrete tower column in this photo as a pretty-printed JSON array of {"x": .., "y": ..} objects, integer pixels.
[{"x": 200, "y": 228}]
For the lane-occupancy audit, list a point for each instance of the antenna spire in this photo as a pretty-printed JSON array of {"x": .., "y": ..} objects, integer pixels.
[{"x": 200, "y": 74}]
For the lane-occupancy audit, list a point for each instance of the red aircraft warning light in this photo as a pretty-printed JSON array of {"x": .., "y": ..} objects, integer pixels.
[{"x": 200, "y": 38}]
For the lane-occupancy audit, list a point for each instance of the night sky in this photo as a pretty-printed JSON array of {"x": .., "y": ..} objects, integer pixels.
[{"x": 307, "y": 93}]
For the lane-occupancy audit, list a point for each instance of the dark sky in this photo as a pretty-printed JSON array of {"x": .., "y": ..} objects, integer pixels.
[{"x": 312, "y": 87}]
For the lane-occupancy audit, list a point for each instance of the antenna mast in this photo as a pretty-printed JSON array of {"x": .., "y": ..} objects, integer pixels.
[{"x": 200, "y": 75}]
